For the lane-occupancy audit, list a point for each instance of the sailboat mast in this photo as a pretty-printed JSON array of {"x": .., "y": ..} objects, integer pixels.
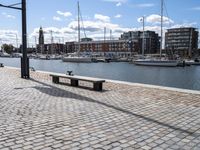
[
  {"x": 79, "y": 29},
  {"x": 161, "y": 40},
  {"x": 143, "y": 36}
]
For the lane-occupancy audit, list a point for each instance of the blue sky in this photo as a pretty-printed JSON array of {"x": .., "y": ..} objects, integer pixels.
[{"x": 60, "y": 16}]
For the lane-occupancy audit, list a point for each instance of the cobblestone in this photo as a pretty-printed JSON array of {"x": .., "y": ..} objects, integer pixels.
[{"x": 37, "y": 114}]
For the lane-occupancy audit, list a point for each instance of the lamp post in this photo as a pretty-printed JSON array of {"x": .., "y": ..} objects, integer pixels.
[{"x": 24, "y": 59}]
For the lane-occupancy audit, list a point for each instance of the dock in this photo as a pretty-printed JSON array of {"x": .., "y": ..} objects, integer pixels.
[{"x": 36, "y": 114}]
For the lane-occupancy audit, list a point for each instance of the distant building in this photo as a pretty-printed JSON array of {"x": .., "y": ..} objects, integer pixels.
[
  {"x": 108, "y": 47},
  {"x": 86, "y": 39},
  {"x": 151, "y": 40},
  {"x": 69, "y": 47},
  {"x": 54, "y": 48},
  {"x": 182, "y": 41},
  {"x": 41, "y": 41}
]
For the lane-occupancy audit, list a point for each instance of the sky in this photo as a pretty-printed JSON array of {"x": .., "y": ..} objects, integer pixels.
[{"x": 60, "y": 17}]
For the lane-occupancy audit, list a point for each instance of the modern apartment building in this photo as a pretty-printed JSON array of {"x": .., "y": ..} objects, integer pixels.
[
  {"x": 182, "y": 41},
  {"x": 151, "y": 40}
]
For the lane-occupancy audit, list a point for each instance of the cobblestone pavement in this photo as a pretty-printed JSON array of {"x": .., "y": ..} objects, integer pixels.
[{"x": 37, "y": 114}]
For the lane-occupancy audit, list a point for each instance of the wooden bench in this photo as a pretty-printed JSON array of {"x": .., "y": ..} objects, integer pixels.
[{"x": 97, "y": 83}]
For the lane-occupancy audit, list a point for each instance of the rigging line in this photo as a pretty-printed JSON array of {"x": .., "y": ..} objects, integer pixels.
[
  {"x": 15, "y": 4},
  {"x": 83, "y": 25},
  {"x": 170, "y": 24}
]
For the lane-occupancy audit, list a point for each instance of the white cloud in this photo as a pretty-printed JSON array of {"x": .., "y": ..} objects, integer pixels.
[
  {"x": 65, "y": 14},
  {"x": 145, "y": 5},
  {"x": 116, "y": 1},
  {"x": 102, "y": 18},
  {"x": 118, "y": 4},
  {"x": 8, "y": 15},
  {"x": 94, "y": 29},
  {"x": 118, "y": 16},
  {"x": 154, "y": 18},
  {"x": 57, "y": 18},
  {"x": 9, "y": 37},
  {"x": 192, "y": 24}
]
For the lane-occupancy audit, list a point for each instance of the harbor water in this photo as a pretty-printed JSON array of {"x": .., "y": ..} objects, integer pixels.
[{"x": 179, "y": 77}]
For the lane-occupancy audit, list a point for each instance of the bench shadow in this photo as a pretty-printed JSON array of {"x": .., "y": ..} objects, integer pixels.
[
  {"x": 57, "y": 92},
  {"x": 83, "y": 87}
]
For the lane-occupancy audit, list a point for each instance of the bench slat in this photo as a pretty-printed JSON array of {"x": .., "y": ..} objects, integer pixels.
[{"x": 89, "y": 79}]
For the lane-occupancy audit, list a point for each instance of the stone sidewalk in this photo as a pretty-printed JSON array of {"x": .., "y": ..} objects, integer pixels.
[{"x": 37, "y": 114}]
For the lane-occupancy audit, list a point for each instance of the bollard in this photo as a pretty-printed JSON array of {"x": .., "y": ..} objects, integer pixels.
[
  {"x": 1, "y": 65},
  {"x": 69, "y": 73}
]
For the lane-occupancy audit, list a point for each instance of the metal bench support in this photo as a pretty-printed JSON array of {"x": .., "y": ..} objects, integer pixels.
[
  {"x": 1, "y": 65},
  {"x": 74, "y": 82},
  {"x": 97, "y": 86},
  {"x": 55, "y": 79}
]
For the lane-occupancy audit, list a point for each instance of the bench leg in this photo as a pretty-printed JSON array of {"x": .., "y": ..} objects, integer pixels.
[
  {"x": 74, "y": 82},
  {"x": 97, "y": 86},
  {"x": 55, "y": 79}
]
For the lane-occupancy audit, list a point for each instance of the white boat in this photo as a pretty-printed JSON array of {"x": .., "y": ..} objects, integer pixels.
[
  {"x": 77, "y": 59},
  {"x": 192, "y": 62},
  {"x": 156, "y": 62},
  {"x": 159, "y": 63},
  {"x": 4, "y": 54}
]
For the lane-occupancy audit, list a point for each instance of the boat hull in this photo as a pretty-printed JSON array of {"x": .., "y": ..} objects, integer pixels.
[
  {"x": 157, "y": 63},
  {"x": 192, "y": 63},
  {"x": 77, "y": 59}
]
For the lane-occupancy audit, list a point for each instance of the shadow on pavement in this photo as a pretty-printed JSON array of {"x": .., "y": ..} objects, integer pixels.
[{"x": 57, "y": 92}]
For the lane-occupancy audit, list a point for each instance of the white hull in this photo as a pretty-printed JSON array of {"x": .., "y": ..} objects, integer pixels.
[
  {"x": 77, "y": 59},
  {"x": 159, "y": 63},
  {"x": 192, "y": 63}
]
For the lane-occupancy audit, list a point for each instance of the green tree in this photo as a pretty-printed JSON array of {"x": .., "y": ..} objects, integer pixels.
[{"x": 8, "y": 48}]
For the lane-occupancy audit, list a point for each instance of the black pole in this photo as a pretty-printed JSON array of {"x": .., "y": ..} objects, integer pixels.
[{"x": 25, "y": 60}]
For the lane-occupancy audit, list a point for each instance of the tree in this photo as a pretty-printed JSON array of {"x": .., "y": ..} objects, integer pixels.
[{"x": 8, "y": 48}]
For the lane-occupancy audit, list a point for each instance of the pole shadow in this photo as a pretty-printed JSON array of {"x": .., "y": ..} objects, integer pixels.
[{"x": 57, "y": 92}]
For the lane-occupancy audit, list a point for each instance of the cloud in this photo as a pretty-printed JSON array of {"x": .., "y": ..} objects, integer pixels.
[
  {"x": 9, "y": 37},
  {"x": 94, "y": 29},
  {"x": 102, "y": 18},
  {"x": 118, "y": 4},
  {"x": 118, "y": 16},
  {"x": 116, "y": 1},
  {"x": 65, "y": 14},
  {"x": 192, "y": 24},
  {"x": 145, "y": 5},
  {"x": 57, "y": 18},
  {"x": 154, "y": 18},
  {"x": 8, "y": 16}
]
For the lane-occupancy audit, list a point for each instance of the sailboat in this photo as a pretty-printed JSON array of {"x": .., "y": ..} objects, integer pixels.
[
  {"x": 156, "y": 62},
  {"x": 76, "y": 57}
]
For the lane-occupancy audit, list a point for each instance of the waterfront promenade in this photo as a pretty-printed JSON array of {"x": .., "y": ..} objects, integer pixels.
[{"x": 37, "y": 114}]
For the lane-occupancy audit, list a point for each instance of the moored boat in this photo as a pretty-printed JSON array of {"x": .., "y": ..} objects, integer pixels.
[
  {"x": 77, "y": 59},
  {"x": 160, "y": 63}
]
